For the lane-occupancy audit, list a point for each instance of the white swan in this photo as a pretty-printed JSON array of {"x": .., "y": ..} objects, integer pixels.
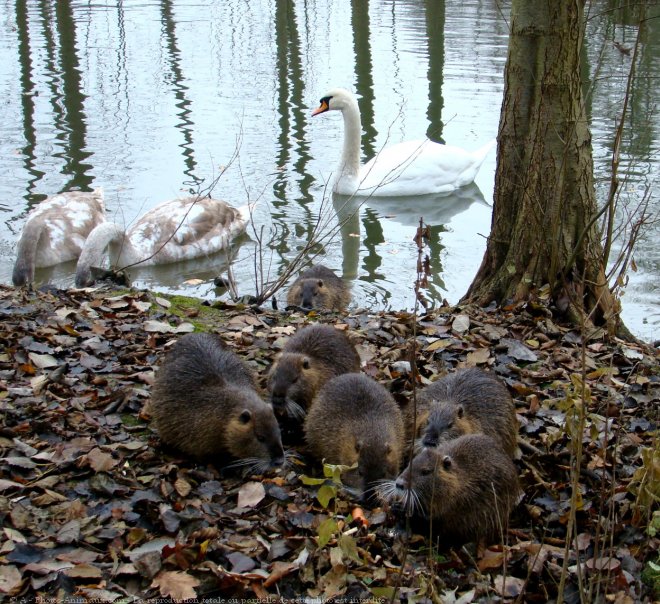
[
  {"x": 55, "y": 231},
  {"x": 175, "y": 230},
  {"x": 416, "y": 167}
]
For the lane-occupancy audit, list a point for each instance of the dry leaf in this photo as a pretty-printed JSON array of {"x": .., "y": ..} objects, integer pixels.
[
  {"x": 157, "y": 327},
  {"x": 461, "y": 324},
  {"x": 182, "y": 487},
  {"x": 509, "y": 587},
  {"x": 250, "y": 494},
  {"x": 606, "y": 563},
  {"x": 11, "y": 580},
  {"x": 9, "y": 484},
  {"x": 177, "y": 585},
  {"x": 491, "y": 559},
  {"x": 69, "y": 532},
  {"x": 477, "y": 357},
  {"x": 84, "y": 571},
  {"x": 100, "y": 461},
  {"x": 279, "y": 570}
]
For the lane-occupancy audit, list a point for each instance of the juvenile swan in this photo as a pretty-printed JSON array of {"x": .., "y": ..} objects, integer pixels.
[
  {"x": 176, "y": 230},
  {"x": 417, "y": 167},
  {"x": 55, "y": 231}
]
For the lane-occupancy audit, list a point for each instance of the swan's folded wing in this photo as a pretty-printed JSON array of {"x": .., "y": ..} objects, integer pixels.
[
  {"x": 419, "y": 167},
  {"x": 187, "y": 228}
]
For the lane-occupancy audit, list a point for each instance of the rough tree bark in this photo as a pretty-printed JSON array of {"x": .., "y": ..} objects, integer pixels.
[{"x": 543, "y": 230}]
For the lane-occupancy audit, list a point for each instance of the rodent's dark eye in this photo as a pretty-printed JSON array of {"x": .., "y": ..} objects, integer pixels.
[{"x": 426, "y": 471}]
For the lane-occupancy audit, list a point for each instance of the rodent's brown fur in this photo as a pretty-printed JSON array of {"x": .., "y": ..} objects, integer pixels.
[
  {"x": 319, "y": 287},
  {"x": 355, "y": 420},
  {"x": 466, "y": 402},
  {"x": 466, "y": 488},
  {"x": 312, "y": 356},
  {"x": 204, "y": 403}
]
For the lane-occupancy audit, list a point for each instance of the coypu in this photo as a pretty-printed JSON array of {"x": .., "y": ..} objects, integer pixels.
[
  {"x": 465, "y": 488},
  {"x": 356, "y": 420},
  {"x": 312, "y": 356},
  {"x": 205, "y": 404},
  {"x": 465, "y": 402},
  {"x": 319, "y": 287}
]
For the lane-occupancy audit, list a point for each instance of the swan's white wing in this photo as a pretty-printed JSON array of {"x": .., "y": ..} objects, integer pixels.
[{"x": 420, "y": 167}]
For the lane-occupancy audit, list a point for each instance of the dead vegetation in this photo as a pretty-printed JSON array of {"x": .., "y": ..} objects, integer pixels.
[{"x": 93, "y": 507}]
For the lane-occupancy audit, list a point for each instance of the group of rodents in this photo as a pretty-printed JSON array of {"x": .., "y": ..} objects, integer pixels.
[{"x": 461, "y": 481}]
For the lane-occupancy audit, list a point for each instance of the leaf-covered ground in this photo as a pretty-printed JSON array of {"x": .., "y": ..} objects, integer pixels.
[{"x": 93, "y": 508}]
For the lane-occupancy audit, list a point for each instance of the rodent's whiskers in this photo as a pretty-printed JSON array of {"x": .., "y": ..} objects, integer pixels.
[
  {"x": 251, "y": 465},
  {"x": 295, "y": 410},
  {"x": 385, "y": 489}
]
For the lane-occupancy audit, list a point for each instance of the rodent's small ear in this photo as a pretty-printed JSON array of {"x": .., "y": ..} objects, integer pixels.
[
  {"x": 245, "y": 416},
  {"x": 320, "y": 283},
  {"x": 305, "y": 363},
  {"x": 446, "y": 462},
  {"x": 460, "y": 412}
]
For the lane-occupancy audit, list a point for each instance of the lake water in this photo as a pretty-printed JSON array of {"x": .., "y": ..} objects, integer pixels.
[{"x": 151, "y": 99}]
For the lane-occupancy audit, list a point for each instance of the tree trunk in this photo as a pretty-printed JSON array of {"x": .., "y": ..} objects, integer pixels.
[{"x": 544, "y": 201}]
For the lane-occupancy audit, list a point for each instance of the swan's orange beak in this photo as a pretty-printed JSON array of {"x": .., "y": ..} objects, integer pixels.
[{"x": 321, "y": 108}]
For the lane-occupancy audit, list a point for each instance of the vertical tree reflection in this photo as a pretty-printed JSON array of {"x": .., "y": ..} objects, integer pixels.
[
  {"x": 364, "y": 73},
  {"x": 292, "y": 141},
  {"x": 27, "y": 101},
  {"x": 435, "y": 34},
  {"x": 182, "y": 102},
  {"x": 73, "y": 101},
  {"x": 291, "y": 101}
]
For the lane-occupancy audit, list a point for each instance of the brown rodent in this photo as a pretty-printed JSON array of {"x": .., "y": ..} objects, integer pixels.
[
  {"x": 466, "y": 402},
  {"x": 461, "y": 491},
  {"x": 356, "y": 420},
  {"x": 204, "y": 403},
  {"x": 319, "y": 287},
  {"x": 312, "y": 356}
]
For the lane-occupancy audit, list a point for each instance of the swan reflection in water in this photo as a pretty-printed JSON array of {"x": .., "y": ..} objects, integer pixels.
[
  {"x": 436, "y": 209},
  {"x": 174, "y": 277},
  {"x": 373, "y": 282}
]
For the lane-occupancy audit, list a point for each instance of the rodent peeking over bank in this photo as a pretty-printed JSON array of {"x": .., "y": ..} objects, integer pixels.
[
  {"x": 466, "y": 402},
  {"x": 461, "y": 491},
  {"x": 319, "y": 287},
  {"x": 205, "y": 404},
  {"x": 355, "y": 420},
  {"x": 312, "y": 356}
]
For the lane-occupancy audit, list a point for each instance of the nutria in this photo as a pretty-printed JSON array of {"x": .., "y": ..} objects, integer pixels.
[
  {"x": 465, "y": 402},
  {"x": 464, "y": 488},
  {"x": 312, "y": 356},
  {"x": 204, "y": 403},
  {"x": 319, "y": 287},
  {"x": 355, "y": 420}
]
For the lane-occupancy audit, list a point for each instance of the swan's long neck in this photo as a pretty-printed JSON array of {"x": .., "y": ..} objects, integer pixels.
[
  {"x": 93, "y": 251},
  {"x": 350, "y": 158},
  {"x": 26, "y": 254}
]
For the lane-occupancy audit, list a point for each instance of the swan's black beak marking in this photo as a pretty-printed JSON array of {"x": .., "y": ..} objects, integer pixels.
[{"x": 323, "y": 107}]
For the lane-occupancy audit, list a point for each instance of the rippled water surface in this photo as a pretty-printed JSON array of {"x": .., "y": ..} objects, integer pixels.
[{"x": 153, "y": 99}]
